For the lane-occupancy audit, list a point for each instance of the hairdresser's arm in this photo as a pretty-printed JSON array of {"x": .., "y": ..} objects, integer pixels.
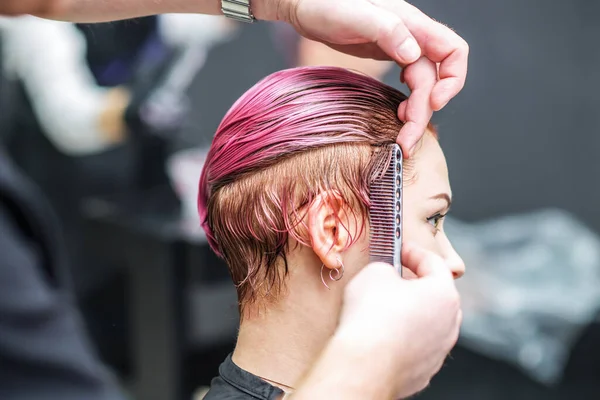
[
  {"x": 394, "y": 335},
  {"x": 340, "y": 373}
]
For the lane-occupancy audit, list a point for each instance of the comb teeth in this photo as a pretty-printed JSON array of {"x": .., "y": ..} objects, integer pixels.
[{"x": 385, "y": 213}]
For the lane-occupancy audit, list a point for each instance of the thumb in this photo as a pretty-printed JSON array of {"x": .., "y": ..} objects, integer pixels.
[
  {"x": 424, "y": 263},
  {"x": 395, "y": 40}
]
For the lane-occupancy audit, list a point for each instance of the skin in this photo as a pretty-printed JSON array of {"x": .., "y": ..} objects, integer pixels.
[{"x": 284, "y": 339}]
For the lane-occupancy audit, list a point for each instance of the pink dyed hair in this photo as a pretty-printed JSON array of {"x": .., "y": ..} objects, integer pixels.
[{"x": 288, "y": 114}]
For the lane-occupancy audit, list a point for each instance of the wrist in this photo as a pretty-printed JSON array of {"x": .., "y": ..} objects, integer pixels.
[
  {"x": 350, "y": 370},
  {"x": 374, "y": 359}
]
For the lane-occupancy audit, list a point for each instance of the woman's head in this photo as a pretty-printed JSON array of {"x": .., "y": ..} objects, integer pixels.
[{"x": 285, "y": 187}]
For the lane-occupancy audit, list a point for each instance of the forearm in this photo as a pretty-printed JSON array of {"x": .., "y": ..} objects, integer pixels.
[
  {"x": 110, "y": 10},
  {"x": 347, "y": 371}
]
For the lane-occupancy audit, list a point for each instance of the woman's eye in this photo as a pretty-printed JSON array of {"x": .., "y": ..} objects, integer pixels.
[{"x": 436, "y": 220}]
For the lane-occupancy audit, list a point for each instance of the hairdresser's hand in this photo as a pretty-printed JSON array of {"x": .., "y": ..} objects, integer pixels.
[
  {"x": 387, "y": 29},
  {"x": 405, "y": 327}
]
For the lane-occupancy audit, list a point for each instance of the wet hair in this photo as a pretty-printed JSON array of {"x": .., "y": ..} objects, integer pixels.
[{"x": 293, "y": 135}]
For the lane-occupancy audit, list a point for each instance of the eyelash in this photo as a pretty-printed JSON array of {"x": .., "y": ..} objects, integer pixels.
[{"x": 437, "y": 218}]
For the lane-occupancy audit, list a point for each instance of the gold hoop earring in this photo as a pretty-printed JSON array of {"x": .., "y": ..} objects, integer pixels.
[{"x": 339, "y": 273}]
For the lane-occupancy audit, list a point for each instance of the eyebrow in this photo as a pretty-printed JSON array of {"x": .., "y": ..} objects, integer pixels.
[{"x": 443, "y": 196}]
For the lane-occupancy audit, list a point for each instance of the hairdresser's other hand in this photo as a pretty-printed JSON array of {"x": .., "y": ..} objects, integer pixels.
[
  {"x": 406, "y": 326},
  {"x": 387, "y": 29}
]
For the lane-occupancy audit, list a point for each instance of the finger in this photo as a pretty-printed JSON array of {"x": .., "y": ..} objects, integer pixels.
[
  {"x": 362, "y": 24},
  {"x": 424, "y": 263},
  {"x": 402, "y": 106},
  {"x": 402, "y": 111},
  {"x": 392, "y": 36},
  {"x": 363, "y": 50},
  {"x": 447, "y": 87},
  {"x": 420, "y": 77},
  {"x": 442, "y": 45}
]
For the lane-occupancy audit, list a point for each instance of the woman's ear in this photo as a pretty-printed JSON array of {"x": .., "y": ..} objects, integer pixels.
[{"x": 328, "y": 227}]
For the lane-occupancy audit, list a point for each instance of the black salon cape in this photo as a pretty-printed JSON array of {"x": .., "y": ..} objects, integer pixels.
[
  {"x": 233, "y": 383},
  {"x": 44, "y": 353}
]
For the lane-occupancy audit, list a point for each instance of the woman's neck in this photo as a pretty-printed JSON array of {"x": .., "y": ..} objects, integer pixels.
[{"x": 281, "y": 342}]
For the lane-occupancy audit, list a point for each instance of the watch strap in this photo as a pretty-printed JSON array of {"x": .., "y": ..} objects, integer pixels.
[{"x": 238, "y": 10}]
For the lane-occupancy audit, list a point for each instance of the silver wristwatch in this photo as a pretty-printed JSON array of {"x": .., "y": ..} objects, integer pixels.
[{"x": 238, "y": 10}]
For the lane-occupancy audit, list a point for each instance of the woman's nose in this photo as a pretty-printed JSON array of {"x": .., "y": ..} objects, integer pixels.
[
  {"x": 453, "y": 260},
  {"x": 457, "y": 266}
]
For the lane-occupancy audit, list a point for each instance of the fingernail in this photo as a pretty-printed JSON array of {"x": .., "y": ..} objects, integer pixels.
[{"x": 409, "y": 50}]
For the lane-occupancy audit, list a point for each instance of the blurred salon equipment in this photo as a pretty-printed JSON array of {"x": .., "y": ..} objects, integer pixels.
[
  {"x": 159, "y": 114},
  {"x": 532, "y": 289},
  {"x": 90, "y": 60},
  {"x": 183, "y": 306},
  {"x": 6, "y": 104},
  {"x": 156, "y": 59}
]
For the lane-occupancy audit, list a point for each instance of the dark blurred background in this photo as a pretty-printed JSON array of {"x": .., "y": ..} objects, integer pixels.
[{"x": 521, "y": 136}]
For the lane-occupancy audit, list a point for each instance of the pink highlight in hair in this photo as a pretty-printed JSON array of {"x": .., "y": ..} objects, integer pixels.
[{"x": 288, "y": 112}]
